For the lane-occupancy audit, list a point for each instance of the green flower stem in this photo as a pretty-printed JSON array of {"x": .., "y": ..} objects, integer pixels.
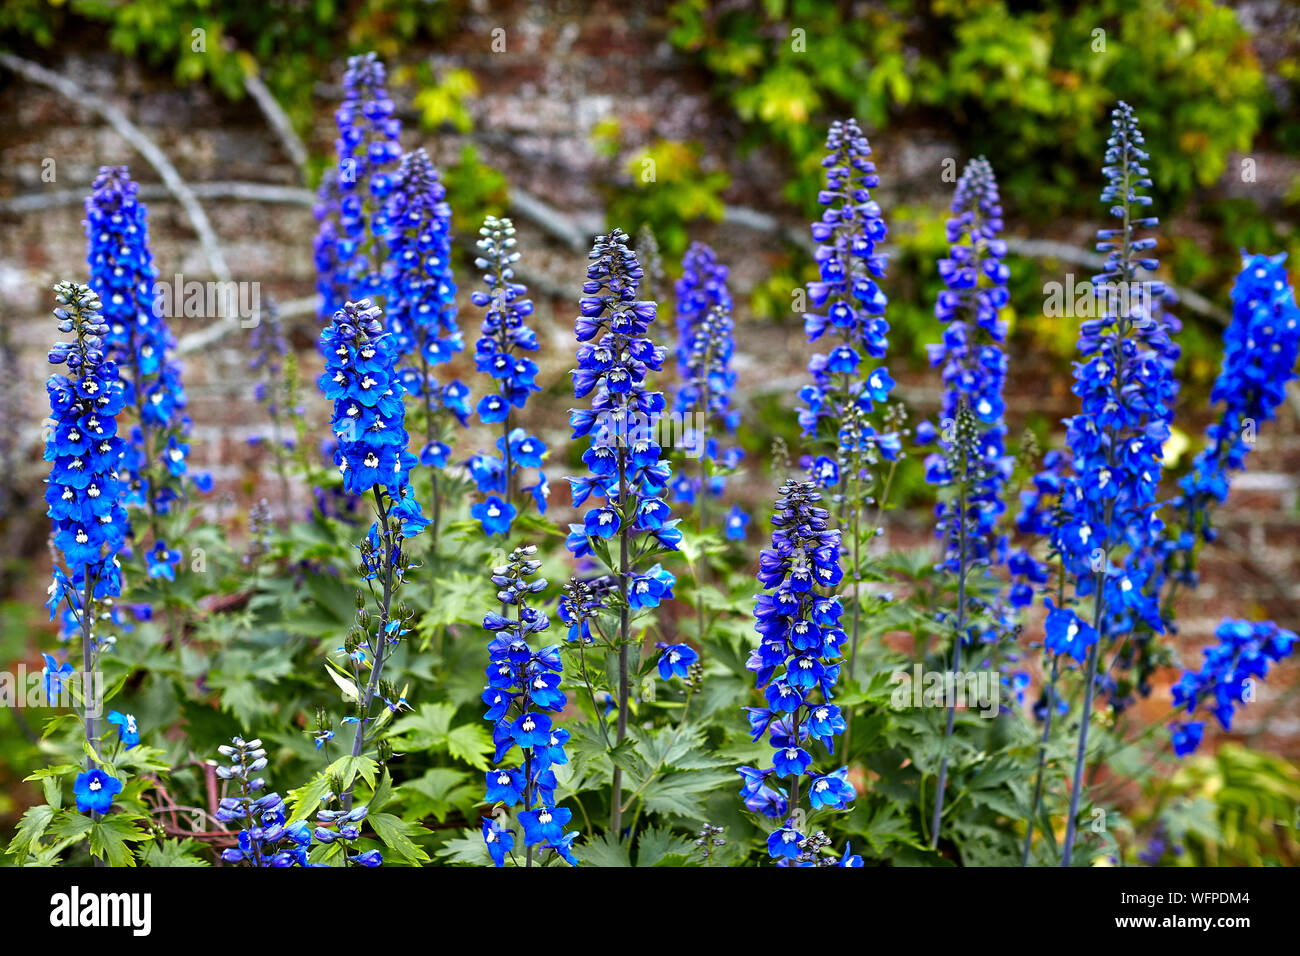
[{"x": 380, "y": 647}]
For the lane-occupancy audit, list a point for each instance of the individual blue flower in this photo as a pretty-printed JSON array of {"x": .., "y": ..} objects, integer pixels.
[
  {"x": 95, "y": 790},
  {"x": 499, "y": 840},
  {"x": 783, "y": 843},
  {"x": 832, "y": 790},
  {"x": 54, "y": 675},
  {"x": 737, "y": 522},
  {"x": 494, "y": 515},
  {"x": 544, "y": 825},
  {"x": 675, "y": 660},
  {"x": 127, "y": 731},
  {"x": 1187, "y": 736}
]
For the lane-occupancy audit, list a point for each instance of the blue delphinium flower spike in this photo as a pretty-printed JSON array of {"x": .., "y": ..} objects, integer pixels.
[
  {"x": 626, "y": 473},
  {"x": 505, "y": 336},
  {"x": 1244, "y": 654},
  {"x": 369, "y": 418},
  {"x": 1126, "y": 387},
  {"x": 139, "y": 340},
  {"x": 521, "y": 695},
  {"x": 973, "y": 364},
  {"x": 1259, "y": 357},
  {"x": 705, "y": 344},
  {"x": 419, "y": 291},
  {"x": 846, "y": 299},
  {"x": 797, "y": 662},
  {"x": 366, "y": 151},
  {"x": 623, "y": 460},
  {"x": 84, "y": 493}
]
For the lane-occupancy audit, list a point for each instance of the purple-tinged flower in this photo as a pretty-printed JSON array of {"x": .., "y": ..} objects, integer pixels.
[{"x": 352, "y": 192}]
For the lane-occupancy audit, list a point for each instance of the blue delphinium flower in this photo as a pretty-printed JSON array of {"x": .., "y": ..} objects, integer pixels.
[
  {"x": 369, "y": 419},
  {"x": 847, "y": 296},
  {"x": 127, "y": 731},
  {"x": 139, "y": 341},
  {"x": 1259, "y": 357},
  {"x": 521, "y": 694},
  {"x": 625, "y": 469},
  {"x": 973, "y": 364},
  {"x": 579, "y": 603},
  {"x": 705, "y": 344},
  {"x": 1126, "y": 388},
  {"x": 95, "y": 790},
  {"x": 797, "y": 661},
  {"x": 675, "y": 660},
  {"x": 84, "y": 493},
  {"x": 266, "y": 836},
  {"x": 701, "y": 289},
  {"x": 1244, "y": 654},
  {"x": 367, "y": 150},
  {"x": 419, "y": 291},
  {"x": 498, "y": 354},
  {"x": 846, "y": 406}
]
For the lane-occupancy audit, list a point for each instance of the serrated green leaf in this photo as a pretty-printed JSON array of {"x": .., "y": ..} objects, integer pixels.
[
  {"x": 32, "y": 826},
  {"x": 471, "y": 743},
  {"x": 396, "y": 833},
  {"x": 109, "y": 836}
]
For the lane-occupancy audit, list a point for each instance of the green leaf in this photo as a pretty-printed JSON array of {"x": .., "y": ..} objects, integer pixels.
[
  {"x": 657, "y": 843},
  {"x": 306, "y": 799},
  {"x": 348, "y": 768},
  {"x": 439, "y": 791},
  {"x": 109, "y": 836},
  {"x": 681, "y": 793},
  {"x": 70, "y": 824},
  {"x": 468, "y": 849},
  {"x": 605, "y": 850},
  {"x": 426, "y": 729},
  {"x": 31, "y": 828},
  {"x": 471, "y": 743},
  {"x": 170, "y": 853},
  {"x": 383, "y": 792},
  {"x": 396, "y": 833}
]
